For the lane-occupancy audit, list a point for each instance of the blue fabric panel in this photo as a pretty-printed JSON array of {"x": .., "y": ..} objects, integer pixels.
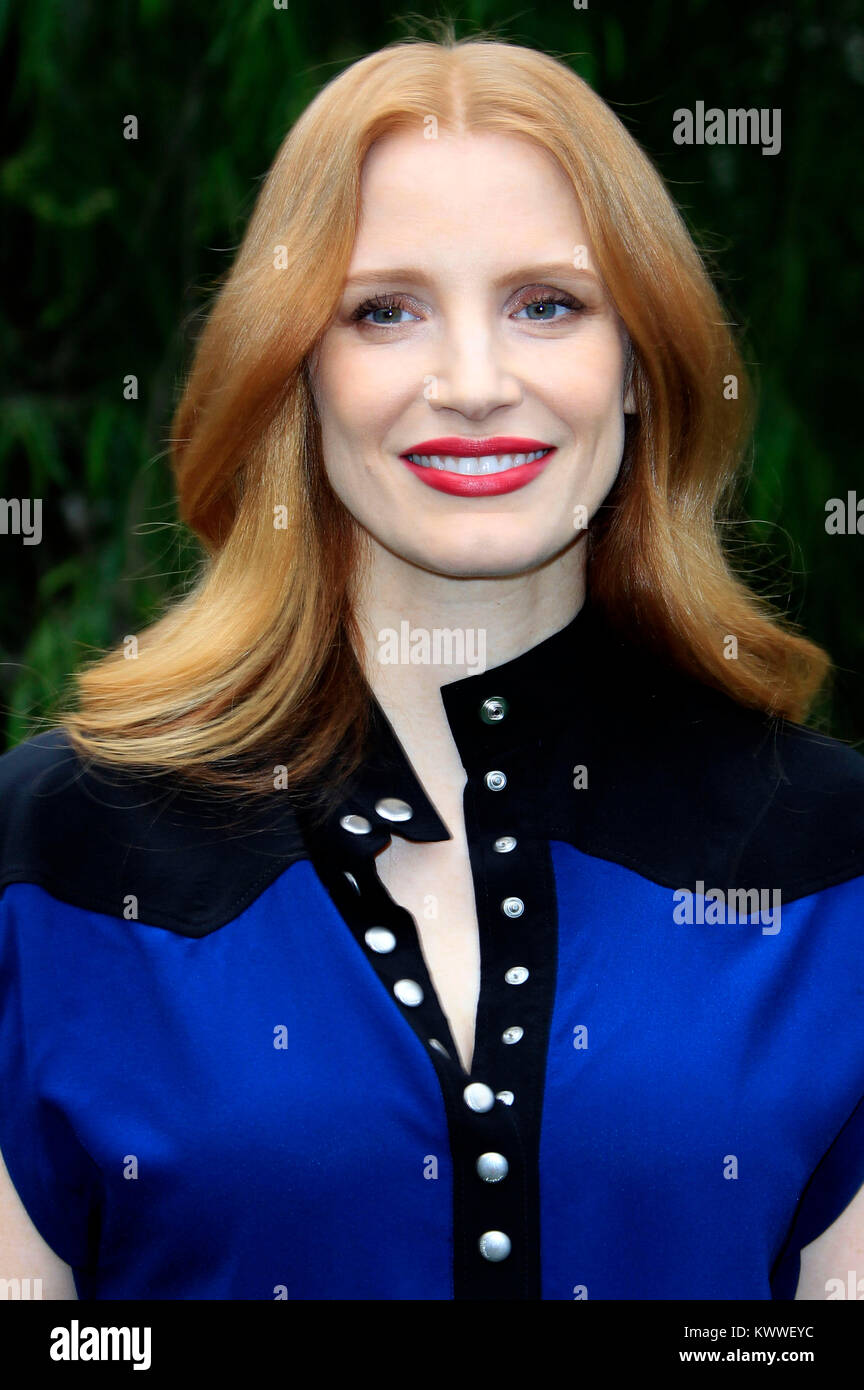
[
  {"x": 712, "y": 1050},
  {"x": 259, "y": 1169}
]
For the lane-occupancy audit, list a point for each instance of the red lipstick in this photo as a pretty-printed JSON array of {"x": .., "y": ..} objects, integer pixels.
[{"x": 489, "y": 484}]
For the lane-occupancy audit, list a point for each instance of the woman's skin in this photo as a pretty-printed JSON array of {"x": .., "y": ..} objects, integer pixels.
[{"x": 477, "y": 216}]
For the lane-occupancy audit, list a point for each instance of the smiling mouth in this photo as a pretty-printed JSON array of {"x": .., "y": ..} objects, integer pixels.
[{"x": 475, "y": 467}]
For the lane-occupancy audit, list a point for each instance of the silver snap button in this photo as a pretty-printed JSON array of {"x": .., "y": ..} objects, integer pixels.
[
  {"x": 408, "y": 992},
  {"x": 495, "y": 781},
  {"x": 505, "y": 1097},
  {"x": 391, "y": 808},
  {"x": 512, "y": 907},
  {"x": 492, "y": 1167},
  {"x": 479, "y": 1097},
  {"x": 356, "y": 825},
  {"x": 516, "y": 975},
  {"x": 504, "y": 844},
  {"x": 380, "y": 939},
  {"x": 513, "y": 1035},
  {"x": 494, "y": 1246},
  {"x": 493, "y": 710}
]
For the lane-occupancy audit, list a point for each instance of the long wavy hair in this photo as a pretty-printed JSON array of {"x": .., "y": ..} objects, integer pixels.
[{"x": 253, "y": 676}]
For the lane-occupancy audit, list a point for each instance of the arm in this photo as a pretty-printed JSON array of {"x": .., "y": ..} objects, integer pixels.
[
  {"x": 834, "y": 1254},
  {"x": 23, "y": 1252}
]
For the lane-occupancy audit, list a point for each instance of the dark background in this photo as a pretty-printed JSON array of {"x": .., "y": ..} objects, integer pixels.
[{"x": 112, "y": 248}]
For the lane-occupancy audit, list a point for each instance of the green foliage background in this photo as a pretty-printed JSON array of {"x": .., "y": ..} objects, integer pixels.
[{"x": 111, "y": 249}]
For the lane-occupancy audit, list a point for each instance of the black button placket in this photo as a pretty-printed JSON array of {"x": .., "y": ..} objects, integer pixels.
[
  {"x": 491, "y": 1178},
  {"x": 494, "y": 1250},
  {"x": 343, "y": 857},
  {"x": 517, "y": 919},
  {"x": 494, "y": 1113}
]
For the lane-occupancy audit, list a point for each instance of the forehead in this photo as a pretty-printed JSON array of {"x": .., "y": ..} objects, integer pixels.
[{"x": 481, "y": 194}]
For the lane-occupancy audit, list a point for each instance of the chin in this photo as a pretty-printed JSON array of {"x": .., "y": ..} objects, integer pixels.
[{"x": 485, "y": 554}]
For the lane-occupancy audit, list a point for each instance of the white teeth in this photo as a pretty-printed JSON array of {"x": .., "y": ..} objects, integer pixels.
[{"x": 486, "y": 463}]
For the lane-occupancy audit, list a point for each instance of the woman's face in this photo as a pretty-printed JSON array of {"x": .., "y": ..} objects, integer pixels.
[{"x": 473, "y": 328}]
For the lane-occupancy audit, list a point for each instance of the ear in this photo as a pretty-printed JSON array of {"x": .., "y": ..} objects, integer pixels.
[{"x": 630, "y": 402}]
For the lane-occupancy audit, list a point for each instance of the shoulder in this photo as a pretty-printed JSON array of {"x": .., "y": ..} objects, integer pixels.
[
  {"x": 90, "y": 835},
  {"x": 801, "y": 799},
  {"x": 758, "y": 750},
  {"x": 718, "y": 784},
  {"x": 813, "y": 797}
]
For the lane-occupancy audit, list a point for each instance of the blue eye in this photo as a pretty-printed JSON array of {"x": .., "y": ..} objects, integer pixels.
[
  {"x": 563, "y": 301},
  {"x": 390, "y": 312},
  {"x": 387, "y": 305}
]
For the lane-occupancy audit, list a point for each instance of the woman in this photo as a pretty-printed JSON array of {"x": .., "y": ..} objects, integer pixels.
[{"x": 444, "y": 899}]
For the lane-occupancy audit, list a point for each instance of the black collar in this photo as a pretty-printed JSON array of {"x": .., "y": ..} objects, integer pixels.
[
  {"x": 608, "y": 746},
  {"x": 519, "y": 707}
]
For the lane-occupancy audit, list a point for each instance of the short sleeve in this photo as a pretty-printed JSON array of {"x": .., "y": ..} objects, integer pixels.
[
  {"x": 830, "y": 1189},
  {"x": 53, "y": 1175}
]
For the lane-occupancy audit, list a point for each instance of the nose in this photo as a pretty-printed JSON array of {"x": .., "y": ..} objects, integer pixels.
[{"x": 473, "y": 377}]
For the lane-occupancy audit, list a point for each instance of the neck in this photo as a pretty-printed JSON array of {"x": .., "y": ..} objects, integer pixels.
[{"x": 480, "y": 623}]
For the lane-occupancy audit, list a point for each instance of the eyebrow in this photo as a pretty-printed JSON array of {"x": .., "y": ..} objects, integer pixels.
[{"x": 551, "y": 269}]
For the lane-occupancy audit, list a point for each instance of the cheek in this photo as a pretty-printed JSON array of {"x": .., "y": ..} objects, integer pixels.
[
  {"x": 357, "y": 402},
  {"x": 589, "y": 390}
]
